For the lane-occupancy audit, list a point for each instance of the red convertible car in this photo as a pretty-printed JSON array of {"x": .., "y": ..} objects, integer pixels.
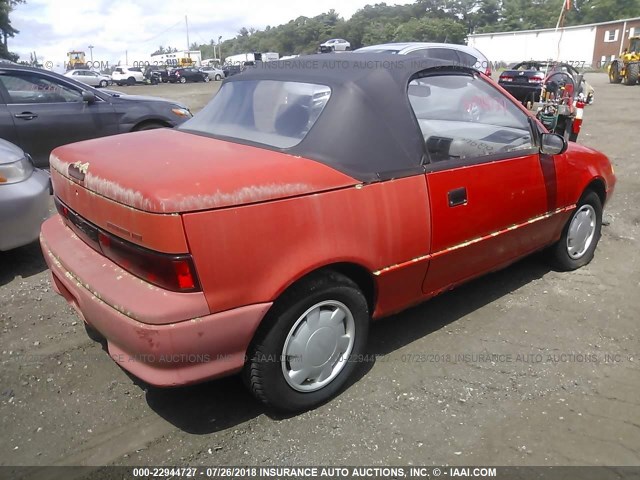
[{"x": 309, "y": 197}]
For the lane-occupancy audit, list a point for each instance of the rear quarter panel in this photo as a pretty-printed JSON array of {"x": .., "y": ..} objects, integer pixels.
[{"x": 251, "y": 254}]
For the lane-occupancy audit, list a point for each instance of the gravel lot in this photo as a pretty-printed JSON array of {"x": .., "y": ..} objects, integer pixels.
[{"x": 564, "y": 390}]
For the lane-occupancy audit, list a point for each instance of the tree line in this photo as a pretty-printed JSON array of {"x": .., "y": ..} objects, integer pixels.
[
  {"x": 448, "y": 21},
  {"x": 6, "y": 29}
]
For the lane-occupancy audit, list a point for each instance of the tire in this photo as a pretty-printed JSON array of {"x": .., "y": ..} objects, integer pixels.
[
  {"x": 183, "y": 80},
  {"x": 119, "y": 84},
  {"x": 614, "y": 73},
  {"x": 580, "y": 235},
  {"x": 131, "y": 81},
  {"x": 218, "y": 77},
  {"x": 206, "y": 79},
  {"x": 272, "y": 358},
  {"x": 103, "y": 83},
  {"x": 148, "y": 126},
  {"x": 631, "y": 77}
]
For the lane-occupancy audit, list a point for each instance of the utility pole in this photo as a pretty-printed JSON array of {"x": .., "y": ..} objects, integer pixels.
[
  {"x": 220, "y": 50},
  {"x": 186, "y": 22},
  {"x": 91, "y": 52}
]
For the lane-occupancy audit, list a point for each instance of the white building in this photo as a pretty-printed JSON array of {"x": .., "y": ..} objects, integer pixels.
[{"x": 581, "y": 45}]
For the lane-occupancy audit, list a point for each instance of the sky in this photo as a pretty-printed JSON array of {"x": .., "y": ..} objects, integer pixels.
[{"x": 131, "y": 30}]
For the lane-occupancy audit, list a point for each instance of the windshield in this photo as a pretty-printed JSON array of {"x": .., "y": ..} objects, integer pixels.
[{"x": 275, "y": 113}]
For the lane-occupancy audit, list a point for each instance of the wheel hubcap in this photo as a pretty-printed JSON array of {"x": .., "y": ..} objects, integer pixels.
[
  {"x": 318, "y": 346},
  {"x": 582, "y": 229}
]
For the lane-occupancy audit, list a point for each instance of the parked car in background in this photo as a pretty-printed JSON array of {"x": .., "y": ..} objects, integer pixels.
[
  {"x": 24, "y": 197},
  {"x": 450, "y": 52},
  {"x": 231, "y": 69},
  {"x": 40, "y": 110},
  {"x": 453, "y": 181},
  {"x": 89, "y": 77},
  {"x": 127, "y": 75},
  {"x": 156, "y": 74},
  {"x": 213, "y": 72},
  {"x": 334, "y": 45},
  {"x": 525, "y": 79},
  {"x": 189, "y": 74}
]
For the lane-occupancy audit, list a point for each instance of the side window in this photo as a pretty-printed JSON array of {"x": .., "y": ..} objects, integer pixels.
[
  {"x": 443, "y": 54},
  {"x": 464, "y": 117},
  {"x": 31, "y": 88}
]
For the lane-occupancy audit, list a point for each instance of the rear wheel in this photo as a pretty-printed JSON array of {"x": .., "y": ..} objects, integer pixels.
[
  {"x": 218, "y": 77},
  {"x": 103, "y": 83},
  {"x": 183, "y": 80},
  {"x": 309, "y": 344},
  {"x": 614, "y": 73},
  {"x": 580, "y": 235},
  {"x": 631, "y": 73}
]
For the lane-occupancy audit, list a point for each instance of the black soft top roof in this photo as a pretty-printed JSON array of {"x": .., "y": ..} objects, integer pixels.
[{"x": 367, "y": 128}]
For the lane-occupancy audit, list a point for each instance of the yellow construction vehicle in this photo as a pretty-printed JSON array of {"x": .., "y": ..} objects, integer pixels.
[
  {"x": 185, "y": 62},
  {"x": 627, "y": 67},
  {"x": 76, "y": 60}
]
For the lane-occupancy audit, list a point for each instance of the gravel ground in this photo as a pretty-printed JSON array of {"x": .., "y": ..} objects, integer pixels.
[{"x": 562, "y": 387}]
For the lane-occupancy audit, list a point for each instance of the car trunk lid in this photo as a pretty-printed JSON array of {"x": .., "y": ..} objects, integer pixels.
[{"x": 168, "y": 171}]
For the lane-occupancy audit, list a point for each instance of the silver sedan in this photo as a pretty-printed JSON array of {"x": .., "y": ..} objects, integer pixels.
[
  {"x": 89, "y": 77},
  {"x": 24, "y": 197}
]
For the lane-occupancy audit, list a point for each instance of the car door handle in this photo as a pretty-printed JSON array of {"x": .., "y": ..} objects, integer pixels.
[
  {"x": 26, "y": 115},
  {"x": 457, "y": 196}
]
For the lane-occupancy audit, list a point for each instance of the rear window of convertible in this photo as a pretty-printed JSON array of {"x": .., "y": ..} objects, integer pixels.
[{"x": 274, "y": 113}]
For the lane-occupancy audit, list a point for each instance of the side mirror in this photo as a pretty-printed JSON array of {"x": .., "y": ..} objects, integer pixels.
[
  {"x": 552, "y": 144},
  {"x": 88, "y": 96}
]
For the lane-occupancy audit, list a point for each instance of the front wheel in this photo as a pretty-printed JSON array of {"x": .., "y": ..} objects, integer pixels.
[
  {"x": 103, "y": 83},
  {"x": 580, "y": 235},
  {"x": 131, "y": 81},
  {"x": 310, "y": 343},
  {"x": 632, "y": 73},
  {"x": 614, "y": 73},
  {"x": 206, "y": 79}
]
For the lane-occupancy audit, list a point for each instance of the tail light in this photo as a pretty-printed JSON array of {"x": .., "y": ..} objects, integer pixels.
[
  {"x": 538, "y": 79},
  {"x": 171, "y": 272},
  {"x": 505, "y": 78}
]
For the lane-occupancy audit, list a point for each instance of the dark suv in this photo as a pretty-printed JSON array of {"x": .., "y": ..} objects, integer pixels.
[{"x": 155, "y": 74}]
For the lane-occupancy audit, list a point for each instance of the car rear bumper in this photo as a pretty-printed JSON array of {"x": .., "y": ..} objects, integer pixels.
[
  {"x": 23, "y": 208},
  {"x": 183, "y": 352}
]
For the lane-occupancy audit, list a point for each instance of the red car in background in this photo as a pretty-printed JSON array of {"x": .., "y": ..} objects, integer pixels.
[{"x": 315, "y": 196}]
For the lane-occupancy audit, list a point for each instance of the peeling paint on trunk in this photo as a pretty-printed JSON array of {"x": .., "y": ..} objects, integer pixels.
[{"x": 149, "y": 172}]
